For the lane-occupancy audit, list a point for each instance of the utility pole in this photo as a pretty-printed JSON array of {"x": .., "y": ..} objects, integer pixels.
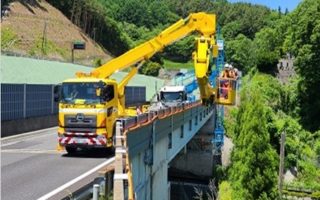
[
  {"x": 72, "y": 53},
  {"x": 44, "y": 38},
  {"x": 281, "y": 165}
]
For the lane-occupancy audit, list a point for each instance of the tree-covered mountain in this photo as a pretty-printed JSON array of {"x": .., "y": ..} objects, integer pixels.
[{"x": 123, "y": 24}]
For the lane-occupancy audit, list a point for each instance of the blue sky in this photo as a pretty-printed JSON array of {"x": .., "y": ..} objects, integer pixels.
[{"x": 274, "y": 4}]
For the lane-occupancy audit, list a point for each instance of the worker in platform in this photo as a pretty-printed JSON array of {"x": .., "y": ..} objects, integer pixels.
[
  {"x": 224, "y": 88},
  {"x": 229, "y": 72},
  {"x": 225, "y": 72}
]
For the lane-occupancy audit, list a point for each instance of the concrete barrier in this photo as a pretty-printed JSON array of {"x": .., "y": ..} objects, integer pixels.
[{"x": 14, "y": 127}]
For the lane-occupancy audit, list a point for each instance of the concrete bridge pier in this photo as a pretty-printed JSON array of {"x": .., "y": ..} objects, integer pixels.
[{"x": 196, "y": 160}]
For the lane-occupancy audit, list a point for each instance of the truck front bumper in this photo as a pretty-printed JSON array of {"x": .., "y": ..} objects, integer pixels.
[{"x": 82, "y": 140}]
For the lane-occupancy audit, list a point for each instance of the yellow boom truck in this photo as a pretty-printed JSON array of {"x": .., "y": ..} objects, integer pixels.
[{"x": 89, "y": 104}]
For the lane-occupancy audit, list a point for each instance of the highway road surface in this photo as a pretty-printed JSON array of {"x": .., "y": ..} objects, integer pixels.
[{"x": 31, "y": 167}]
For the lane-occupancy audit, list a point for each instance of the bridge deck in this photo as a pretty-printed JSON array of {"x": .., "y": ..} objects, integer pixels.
[{"x": 149, "y": 142}]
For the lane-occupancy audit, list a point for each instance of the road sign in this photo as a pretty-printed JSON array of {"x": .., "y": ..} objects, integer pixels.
[{"x": 79, "y": 45}]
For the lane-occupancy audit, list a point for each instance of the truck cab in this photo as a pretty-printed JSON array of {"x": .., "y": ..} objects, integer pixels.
[
  {"x": 87, "y": 110},
  {"x": 173, "y": 94},
  {"x": 170, "y": 96}
]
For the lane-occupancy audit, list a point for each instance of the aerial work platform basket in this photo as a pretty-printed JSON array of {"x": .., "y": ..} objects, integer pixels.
[{"x": 226, "y": 91}]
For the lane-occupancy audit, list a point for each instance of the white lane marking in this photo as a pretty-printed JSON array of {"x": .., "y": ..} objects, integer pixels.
[
  {"x": 29, "y": 134},
  {"x": 65, "y": 186},
  {"x": 32, "y": 151},
  {"x": 26, "y": 138},
  {"x": 10, "y": 143}
]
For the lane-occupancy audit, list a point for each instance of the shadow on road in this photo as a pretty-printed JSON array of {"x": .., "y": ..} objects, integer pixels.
[{"x": 90, "y": 153}]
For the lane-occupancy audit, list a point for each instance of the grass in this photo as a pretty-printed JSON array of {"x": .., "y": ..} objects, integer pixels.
[
  {"x": 8, "y": 38},
  {"x": 168, "y": 64},
  {"x": 46, "y": 48}
]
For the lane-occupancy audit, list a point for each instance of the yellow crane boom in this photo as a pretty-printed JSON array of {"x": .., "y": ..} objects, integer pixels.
[{"x": 199, "y": 22}]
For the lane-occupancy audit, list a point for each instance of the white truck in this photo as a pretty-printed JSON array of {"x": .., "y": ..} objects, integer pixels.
[{"x": 170, "y": 96}]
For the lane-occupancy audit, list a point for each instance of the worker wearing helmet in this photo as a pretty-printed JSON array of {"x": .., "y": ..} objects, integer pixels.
[
  {"x": 232, "y": 74},
  {"x": 226, "y": 71}
]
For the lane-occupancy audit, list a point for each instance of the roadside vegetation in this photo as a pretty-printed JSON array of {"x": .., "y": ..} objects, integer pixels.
[
  {"x": 168, "y": 64},
  {"x": 8, "y": 38},
  {"x": 45, "y": 47},
  {"x": 269, "y": 107}
]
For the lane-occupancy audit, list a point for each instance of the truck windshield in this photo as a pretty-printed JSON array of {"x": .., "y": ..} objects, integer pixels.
[
  {"x": 70, "y": 92},
  {"x": 171, "y": 96}
]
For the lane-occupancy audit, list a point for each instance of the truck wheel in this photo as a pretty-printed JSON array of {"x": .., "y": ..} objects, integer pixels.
[{"x": 71, "y": 150}]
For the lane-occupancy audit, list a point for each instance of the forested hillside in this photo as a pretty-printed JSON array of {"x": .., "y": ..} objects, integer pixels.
[
  {"x": 269, "y": 108},
  {"x": 122, "y": 24}
]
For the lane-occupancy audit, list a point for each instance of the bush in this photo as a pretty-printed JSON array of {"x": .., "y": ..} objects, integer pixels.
[
  {"x": 8, "y": 38},
  {"x": 225, "y": 191},
  {"x": 97, "y": 62},
  {"x": 150, "y": 68}
]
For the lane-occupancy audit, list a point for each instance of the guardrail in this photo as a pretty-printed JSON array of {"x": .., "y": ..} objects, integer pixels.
[
  {"x": 139, "y": 120},
  {"x": 123, "y": 173}
]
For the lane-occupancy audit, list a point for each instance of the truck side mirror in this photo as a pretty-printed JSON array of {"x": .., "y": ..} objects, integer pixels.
[
  {"x": 57, "y": 92},
  {"x": 107, "y": 92},
  {"x": 158, "y": 97}
]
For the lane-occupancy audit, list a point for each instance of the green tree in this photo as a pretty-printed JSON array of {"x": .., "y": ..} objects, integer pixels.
[
  {"x": 268, "y": 53},
  {"x": 150, "y": 68},
  {"x": 136, "y": 12},
  {"x": 241, "y": 18},
  {"x": 184, "y": 7},
  {"x": 231, "y": 30},
  {"x": 254, "y": 162},
  {"x": 241, "y": 52},
  {"x": 161, "y": 14},
  {"x": 181, "y": 51},
  {"x": 303, "y": 42}
]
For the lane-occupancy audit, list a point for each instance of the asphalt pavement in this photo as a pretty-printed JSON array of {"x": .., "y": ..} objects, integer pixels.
[{"x": 32, "y": 167}]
